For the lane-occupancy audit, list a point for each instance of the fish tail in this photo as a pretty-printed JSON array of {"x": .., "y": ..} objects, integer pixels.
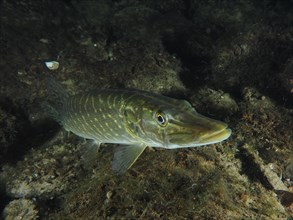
[{"x": 56, "y": 98}]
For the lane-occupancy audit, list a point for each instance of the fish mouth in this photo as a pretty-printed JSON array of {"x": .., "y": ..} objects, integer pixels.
[
  {"x": 179, "y": 140},
  {"x": 216, "y": 137},
  {"x": 196, "y": 131}
]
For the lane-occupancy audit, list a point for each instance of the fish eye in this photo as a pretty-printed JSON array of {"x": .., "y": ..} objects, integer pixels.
[{"x": 161, "y": 118}]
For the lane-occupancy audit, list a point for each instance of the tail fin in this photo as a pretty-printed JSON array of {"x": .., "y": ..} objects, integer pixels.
[{"x": 57, "y": 95}]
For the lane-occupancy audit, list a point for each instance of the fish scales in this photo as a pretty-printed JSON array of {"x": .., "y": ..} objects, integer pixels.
[
  {"x": 97, "y": 115},
  {"x": 134, "y": 119}
]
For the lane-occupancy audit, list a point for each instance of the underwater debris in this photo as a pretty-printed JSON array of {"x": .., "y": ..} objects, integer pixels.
[{"x": 52, "y": 65}]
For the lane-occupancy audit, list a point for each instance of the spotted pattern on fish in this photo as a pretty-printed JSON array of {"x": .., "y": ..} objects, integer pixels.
[{"x": 135, "y": 119}]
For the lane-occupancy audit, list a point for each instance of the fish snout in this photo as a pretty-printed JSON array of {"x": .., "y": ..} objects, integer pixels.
[
  {"x": 212, "y": 131},
  {"x": 196, "y": 130}
]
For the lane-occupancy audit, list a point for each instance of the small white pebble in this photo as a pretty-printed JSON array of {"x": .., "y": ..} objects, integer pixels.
[
  {"x": 109, "y": 195},
  {"x": 271, "y": 166},
  {"x": 45, "y": 41},
  {"x": 52, "y": 65}
]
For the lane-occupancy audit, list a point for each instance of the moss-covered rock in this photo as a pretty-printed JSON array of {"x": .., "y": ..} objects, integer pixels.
[{"x": 21, "y": 209}]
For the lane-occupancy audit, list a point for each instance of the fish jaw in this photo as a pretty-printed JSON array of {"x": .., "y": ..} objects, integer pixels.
[
  {"x": 216, "y": 137},
  {"x": 197, "y": 130}
]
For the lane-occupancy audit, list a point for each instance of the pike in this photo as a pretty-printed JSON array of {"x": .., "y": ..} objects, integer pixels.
[{"x": 133, "y": 119}]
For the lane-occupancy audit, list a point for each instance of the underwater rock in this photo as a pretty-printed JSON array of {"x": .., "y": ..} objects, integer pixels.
[
  {"x": 43, "y": 173},
  {"x": 135, "y": 22},
  {"x": 288, "y": 172},
  {"x": 268, "y": 174},
  {"x": 216, "y": 102},
  {"x": 21, "y": 209},
  {"x": 286, "y": 77},
  {"x": 256, "y": 99},
  {"x": 13, "y": 127},
  {"x": 167, "y": 80},
  {"x": 8, "y": 129}
]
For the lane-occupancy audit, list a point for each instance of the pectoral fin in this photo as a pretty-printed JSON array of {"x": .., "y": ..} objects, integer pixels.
[
  {"x": 89, "y": 152},
  {"x": 125, "y": 156}
]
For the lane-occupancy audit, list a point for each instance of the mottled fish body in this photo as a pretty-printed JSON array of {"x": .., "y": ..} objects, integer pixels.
[
  {"x": 98, "y": 115},
  {"x": 135, "y": 119}
]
